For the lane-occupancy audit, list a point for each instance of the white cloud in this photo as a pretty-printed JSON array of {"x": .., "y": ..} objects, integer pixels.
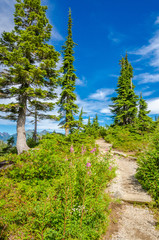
[
  {"x": 7, "y": 122},
  {"x": 105, "y": 110},
  {"x": 114, "y": 75},
  {"x": 88, "y": 106},
  {"x": 101, "y": 94},
  {"x": 55, "y": 35},
  {"x": 115, "y": 37},
  {"x": 151, "y": 50},
  {"x": 81, "y": 82},
  {"x": 148, "y": 93},
  {"x": 92, "y": 107},
  {"x": 153, "y": 106},
  {"x": 147, "y": 78},
  {"x": 157, "y": 20},
  {"x": 6, "y": 15},
  {"x": 59, "y": 63},
  {"x": 47, "y": 124}
]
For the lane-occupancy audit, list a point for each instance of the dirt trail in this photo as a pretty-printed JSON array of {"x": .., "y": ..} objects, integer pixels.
[{"x": 132, "y": 222}]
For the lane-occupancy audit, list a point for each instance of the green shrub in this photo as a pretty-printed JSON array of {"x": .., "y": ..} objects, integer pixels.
[
  {"x": 31, "y": 142},
  {"x": 126, "y": 138},
  {"x": 56, "y": 192},
  {"x": 148, "y": 171}
]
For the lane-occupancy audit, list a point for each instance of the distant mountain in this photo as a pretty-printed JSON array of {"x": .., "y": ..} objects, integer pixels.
[
  {"x": 44, "y": 132},
  {"x": 5, "y": 136}
]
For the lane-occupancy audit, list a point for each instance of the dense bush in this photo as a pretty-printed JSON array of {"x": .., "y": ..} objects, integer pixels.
[
  {"x": 31, "y": 142},
  {"x": 56, "y": 191},
  {"x": 148, "y": 171},
  {"x": 126, "y": 138},
  {"x": 7, "y": 148}
]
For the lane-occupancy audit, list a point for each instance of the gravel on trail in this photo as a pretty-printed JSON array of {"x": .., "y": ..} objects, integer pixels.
[{"x": 133, "y": 220}]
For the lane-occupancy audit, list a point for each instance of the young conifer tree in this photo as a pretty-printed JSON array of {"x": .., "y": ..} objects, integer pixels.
[
  {"x": 89, "y": 122},
  {"x": 80, "y": 120},
  {"x": 95, "y": 124},
  {"x": 124, "y": 105},
  {"x": 145, "y": 122},
  {"x": 30, "y": 64},
  {"x": 67, "y": 99}
]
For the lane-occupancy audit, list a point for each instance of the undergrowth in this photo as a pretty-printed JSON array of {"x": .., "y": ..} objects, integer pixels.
[
  {"x": 148, "y": 170},
  {"x": 127, "y": 139},
  {"x": 56, "y": 191}
]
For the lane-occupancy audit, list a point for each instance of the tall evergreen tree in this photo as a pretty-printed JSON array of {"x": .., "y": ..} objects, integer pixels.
[
  {"x": 67, "y": 100},
  {"x": 124, "y": 105},
  {"x": 30, "y": 64},
  {"x": 145, "y": 122}
]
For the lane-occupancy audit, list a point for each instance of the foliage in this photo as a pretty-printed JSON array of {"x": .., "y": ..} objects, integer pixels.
[
  {"x": 30, "y": 63},
  {"x": 31, "y": 142},
  {"x": 80, "y": 124},
  {"x": 92, "y": 129},
  {"x": 2, "y": 146},
  {"x": 56, "y": 192},
  {"x": 7, "y": 148},
  {"x": 144, "y": 121},
  {"x": 124, "y": 105},
  {"x": 127, "y": 138},
  {"x": 10, "y": 141},
  {"x": 95, "y": 124},
  {"x": 67, "y": 100},
  {"x": 38, "y": 110},
  {"x": 148, "y": 171}
]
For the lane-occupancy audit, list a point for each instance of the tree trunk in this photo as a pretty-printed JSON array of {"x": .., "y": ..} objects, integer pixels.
[
  {"x": 21, "y": 135},
  {"x": 35, "y": 127},
  {"x": 66, "y": 132}
]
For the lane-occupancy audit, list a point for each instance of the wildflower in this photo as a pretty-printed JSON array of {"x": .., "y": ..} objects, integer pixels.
[
  {"x": 83, "y": 150},
  {"x": 71, "y": 149},
  {"x": 89, "y": 173},
  {"x": 88, "y": 165},
  {"x": 93, "y": 150},
  {"x": 110, "y": 168}
]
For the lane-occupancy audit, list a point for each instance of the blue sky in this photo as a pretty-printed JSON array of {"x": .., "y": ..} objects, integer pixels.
[{"x": 104, "y": 30}]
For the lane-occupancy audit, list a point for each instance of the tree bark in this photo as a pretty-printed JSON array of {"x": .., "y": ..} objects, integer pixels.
[
  {"x": 66, "y": 132},
  {"x": 35, "y": 127},
  {"x": 21, "y": 135}
]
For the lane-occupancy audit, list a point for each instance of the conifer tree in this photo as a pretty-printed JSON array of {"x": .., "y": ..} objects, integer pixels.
[
  {"x": 95, "y": 124},
  {"x": 30, "y": 64},
  {"x": 80, "y": 120},
  {"x": 67, "y": 99},
  {"x": 124, "y": 105},
  {"x": 89, "y": 122},
  {"x": 145, "y": 122},
  {"x": 88, "y": 126}
]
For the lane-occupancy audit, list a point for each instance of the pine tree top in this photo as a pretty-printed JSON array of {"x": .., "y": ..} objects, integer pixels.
[{"x": 29, "y": 59}]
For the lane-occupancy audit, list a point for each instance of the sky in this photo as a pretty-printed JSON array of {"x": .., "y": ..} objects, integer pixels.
[{"x": 104, "y": 31}]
